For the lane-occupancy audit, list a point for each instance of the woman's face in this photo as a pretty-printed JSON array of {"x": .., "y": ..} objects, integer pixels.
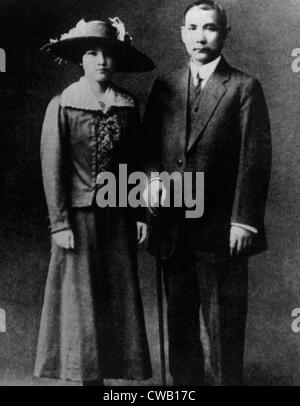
[{"x": 98, "y": 65}]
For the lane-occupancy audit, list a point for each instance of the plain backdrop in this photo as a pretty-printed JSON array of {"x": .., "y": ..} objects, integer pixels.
[{"x": 264, "y": 33}]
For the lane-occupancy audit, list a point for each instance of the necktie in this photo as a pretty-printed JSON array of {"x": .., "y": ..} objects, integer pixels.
[{"x": 198, "y": 82}]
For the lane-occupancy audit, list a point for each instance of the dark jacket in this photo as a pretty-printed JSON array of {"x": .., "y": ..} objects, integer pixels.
[
  {"x": 69, "y": 150},
  {"x": 229, "y": 142}
]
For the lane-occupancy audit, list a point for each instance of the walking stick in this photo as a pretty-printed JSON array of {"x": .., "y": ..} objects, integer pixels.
[{"x": 160, "y": 306}]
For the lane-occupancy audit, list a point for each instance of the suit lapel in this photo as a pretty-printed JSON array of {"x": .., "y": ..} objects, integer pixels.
[{"x": 211, "y": 96}]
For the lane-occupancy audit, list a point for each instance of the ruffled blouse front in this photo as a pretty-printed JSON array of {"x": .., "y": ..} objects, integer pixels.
[{"x": 108, "y": 133}]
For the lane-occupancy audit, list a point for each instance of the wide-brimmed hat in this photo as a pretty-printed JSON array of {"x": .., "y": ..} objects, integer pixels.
[{"x": 108, "y": 35}]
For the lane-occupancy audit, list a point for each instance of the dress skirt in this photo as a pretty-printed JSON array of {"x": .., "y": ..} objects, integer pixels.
[{"x": 92, "y": 323}]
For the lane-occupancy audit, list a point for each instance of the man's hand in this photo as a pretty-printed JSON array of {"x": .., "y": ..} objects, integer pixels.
[
  {"x": 154, "y": 195},
  {"x": 64, "y": 239},
  {"x": 240, "y": 239},
  {"x": 141, "y": 232}
]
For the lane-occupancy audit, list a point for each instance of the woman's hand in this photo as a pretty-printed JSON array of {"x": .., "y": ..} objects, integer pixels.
[
  {"x": 64, "y": 239},
  {"x": 141, "y": 232}
]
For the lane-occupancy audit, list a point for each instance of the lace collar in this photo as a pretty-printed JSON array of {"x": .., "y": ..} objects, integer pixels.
[{"x": 79, "y": 96}]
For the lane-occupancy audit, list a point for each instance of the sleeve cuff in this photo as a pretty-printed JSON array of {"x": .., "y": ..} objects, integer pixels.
[
  {"x": 59, "y": 227},
  {"x": 154, "y": 178},
  {"x": 246, "y": 227}
]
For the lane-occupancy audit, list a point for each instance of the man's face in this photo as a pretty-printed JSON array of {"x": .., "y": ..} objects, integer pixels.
[{"x": 202, "y": 35}]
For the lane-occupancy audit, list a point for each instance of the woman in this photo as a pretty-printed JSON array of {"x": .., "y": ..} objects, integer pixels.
[{"x": 92, "y": 324}]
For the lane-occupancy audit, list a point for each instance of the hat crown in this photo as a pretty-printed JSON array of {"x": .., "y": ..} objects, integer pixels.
[
  {"x": 100, "y": 29},
  {"x": 96, "y": 29}
]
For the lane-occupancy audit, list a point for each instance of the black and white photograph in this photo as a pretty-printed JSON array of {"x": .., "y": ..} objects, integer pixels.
[{"x": 149, "y": 195}]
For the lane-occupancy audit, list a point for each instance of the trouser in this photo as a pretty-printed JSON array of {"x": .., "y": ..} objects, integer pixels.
[{"x": 207, "y": 308}]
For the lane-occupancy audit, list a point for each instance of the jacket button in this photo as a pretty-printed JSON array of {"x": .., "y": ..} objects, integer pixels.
[{"x": 180, "y": 162}]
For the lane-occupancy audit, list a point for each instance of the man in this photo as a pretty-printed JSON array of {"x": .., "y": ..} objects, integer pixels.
[{"x": 208, "y": 117}]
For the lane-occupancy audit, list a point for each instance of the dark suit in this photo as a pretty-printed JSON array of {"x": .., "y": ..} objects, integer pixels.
[{"x": 224, "y": 133}]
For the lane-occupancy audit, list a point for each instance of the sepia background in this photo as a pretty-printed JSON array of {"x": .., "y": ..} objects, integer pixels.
[{"x": 264, "y": 33}]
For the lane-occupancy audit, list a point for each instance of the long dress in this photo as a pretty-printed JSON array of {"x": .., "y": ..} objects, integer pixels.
[{"x": 92, "y": 323}]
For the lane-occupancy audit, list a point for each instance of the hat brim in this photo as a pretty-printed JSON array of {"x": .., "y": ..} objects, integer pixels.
[{"x": 128, "y": 58}]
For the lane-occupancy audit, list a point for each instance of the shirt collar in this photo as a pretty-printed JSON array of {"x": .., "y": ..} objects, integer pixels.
[{"x": 204, "y": 71}]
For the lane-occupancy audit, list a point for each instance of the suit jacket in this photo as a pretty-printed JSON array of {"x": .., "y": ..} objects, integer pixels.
[{"x": 229, "y": 141}]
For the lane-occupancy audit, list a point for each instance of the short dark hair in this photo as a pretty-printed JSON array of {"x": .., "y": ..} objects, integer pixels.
[{"x": 210, "y": 5}]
